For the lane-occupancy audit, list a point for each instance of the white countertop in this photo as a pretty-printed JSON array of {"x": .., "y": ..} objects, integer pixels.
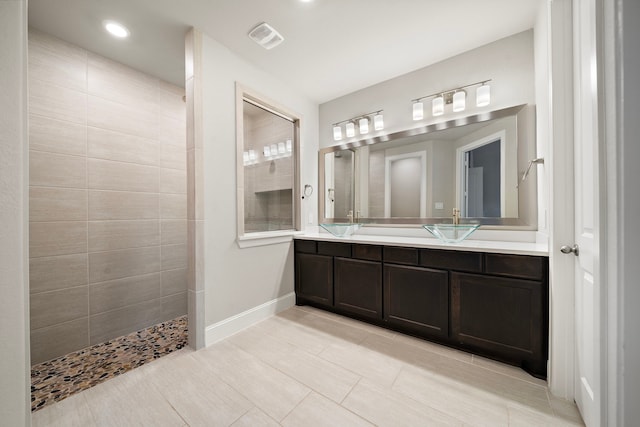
[{"x": 492, "y": 246}]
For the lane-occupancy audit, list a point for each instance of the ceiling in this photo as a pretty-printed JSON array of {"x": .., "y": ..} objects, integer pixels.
[{"x": 331, "y": 47}]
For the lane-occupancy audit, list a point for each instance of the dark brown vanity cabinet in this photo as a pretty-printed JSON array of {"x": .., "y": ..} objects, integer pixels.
[
  {"x": 495, "y": 305},
  {"x": 417, "y": 299}
]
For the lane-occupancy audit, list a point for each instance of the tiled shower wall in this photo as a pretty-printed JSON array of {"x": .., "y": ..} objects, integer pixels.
[{"x": 108, "y": 203}]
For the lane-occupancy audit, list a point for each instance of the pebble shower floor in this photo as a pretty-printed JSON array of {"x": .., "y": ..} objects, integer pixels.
[{"x": 59, "y": 378}]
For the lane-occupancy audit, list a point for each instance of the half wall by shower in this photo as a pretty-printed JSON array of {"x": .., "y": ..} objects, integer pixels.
[{"x": 108, "y": 202}]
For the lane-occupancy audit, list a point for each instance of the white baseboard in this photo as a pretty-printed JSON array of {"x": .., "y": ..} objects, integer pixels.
[{"x": 227, "y": 327}]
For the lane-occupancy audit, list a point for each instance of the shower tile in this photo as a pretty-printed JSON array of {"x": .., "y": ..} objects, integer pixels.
[
  {"x": 174, "y": 305},
  {"x": 54, "y": 341},
  {"x": 173, "y": 156},
  {"x": 57, "y": 136},
  {"x": 57, "y": 170},
  {"x": 115, "y": 294},
  {"x": 105, "y": 205},
  {"x": 57, "y": 238},
  {"x": 118, "y": 176},
  {"x": 172, "y": 132},
  {"x": 124, "y": 234},
  {"x": 119, "y": 264},
  {"x": 111, "y": 324},
  {"x": 105, "y": 114},
  {"x": 174, "y": 256},
  {"x": 51, "y": 308},
  {"x": 117, "y": 82},
  {"x": 57, "y": 272},
  {"x": 174, "y": 281},
  {"x": 57, "y": 204},
  {"x": 173, "y": 206},
  {"x": 57, "y": 102},
  {"x": 111, "y": 145},
  {"x": 170, "y": 101},
  {"x": 173, "y": 181},
  {"x": 174, "y": 231},
  {"x": 55, "y": 61}
]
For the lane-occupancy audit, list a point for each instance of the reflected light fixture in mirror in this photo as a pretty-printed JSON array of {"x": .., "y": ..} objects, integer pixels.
[{"x": 459, "y": 101}]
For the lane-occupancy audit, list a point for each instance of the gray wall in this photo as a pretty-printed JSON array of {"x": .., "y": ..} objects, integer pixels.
[
  {"x": 107, "y": 199},
  {"x": 508, "y": 62},
  {"x": 15, "y": 407},
  {"x": 235, "y": 279}
]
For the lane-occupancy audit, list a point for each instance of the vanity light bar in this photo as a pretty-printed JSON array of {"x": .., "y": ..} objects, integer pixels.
[
  {"x": 457, "y": 97},
  {"x": 364, "y": 125}
]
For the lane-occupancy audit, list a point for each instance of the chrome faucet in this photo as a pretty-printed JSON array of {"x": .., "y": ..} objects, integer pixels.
[
  {"x": 456, "y": 216},
  {"x": 350, "y": 216}
]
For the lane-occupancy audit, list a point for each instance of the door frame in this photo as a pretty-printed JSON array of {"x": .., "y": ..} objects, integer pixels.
[
  {"x": 461, "y": 167},
  {"x": 422, "y": 155}
]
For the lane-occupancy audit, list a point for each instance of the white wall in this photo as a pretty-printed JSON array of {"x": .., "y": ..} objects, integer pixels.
[
  {"x": 15, "y": 407},
  {"x": 508, "y": 62},
  {"x": 237, "y": 280}
]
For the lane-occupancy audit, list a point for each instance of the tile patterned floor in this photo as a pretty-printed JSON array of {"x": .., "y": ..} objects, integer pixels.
[
  {"x": 57, "y": 379},
  {"x": 306, "y": 367}
]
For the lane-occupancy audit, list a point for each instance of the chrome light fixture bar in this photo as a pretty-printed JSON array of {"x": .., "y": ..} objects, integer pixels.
[
  {"x": 364, "y": 125},
  {"x": 456, "y": 96}
]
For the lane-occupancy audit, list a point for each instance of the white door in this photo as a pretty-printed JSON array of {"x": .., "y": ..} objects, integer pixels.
[{"x": 588, "y": 385}]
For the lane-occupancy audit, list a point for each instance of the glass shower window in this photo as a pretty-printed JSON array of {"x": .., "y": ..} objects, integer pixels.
[{"x": 269, "y": 169}]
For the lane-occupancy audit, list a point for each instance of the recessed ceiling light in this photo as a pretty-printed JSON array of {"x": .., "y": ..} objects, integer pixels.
[{"x": 116, "y": 29}]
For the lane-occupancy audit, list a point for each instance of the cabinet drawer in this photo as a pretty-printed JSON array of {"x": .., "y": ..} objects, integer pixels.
[
  {"x": 526, "y": 267},
  {"x": 368, "y": 252},
  {"x": 305, "y": 246},
  {"x": 451, "y": 260},
  {"x": 335, "y": 249},
  {"x": 400, "y": 255}
]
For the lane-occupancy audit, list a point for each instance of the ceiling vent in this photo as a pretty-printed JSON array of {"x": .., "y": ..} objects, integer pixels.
[{"x": 266, "y": 36}]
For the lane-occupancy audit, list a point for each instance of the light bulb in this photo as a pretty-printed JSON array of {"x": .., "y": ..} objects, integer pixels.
[
  {"x": 116, "y": 29},
  {"x": 483, "y": 95},
  {"x": 252, "y": 155},
  {"x": 350, "y": 129},
  {"x": 418, "y": 110},
  {"x": 378, "y": 122},
  {"x": 290, "y": 146},
  {"x": 281, "y": 148},
  {"x": 266, "y": 151},
  {"x": 337, "y": 133},
  {"x": 437, "y": 106},
  {"x": 274, "y": 150},
  {"x": 364, "y": 125},
  {"x": 459, "y": 101},
  {"x": 245, "y": 157}
]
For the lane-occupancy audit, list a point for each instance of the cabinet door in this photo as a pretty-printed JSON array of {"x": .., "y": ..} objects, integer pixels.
[
  {"x": 417, "y": 299},
  {"x": 358, "y": 287},
  {"x": 501, "y": 315},
  {"x": 314, "y": 278}
]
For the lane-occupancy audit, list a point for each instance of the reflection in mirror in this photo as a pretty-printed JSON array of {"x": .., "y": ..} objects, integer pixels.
[
  {"x": 339, "y": 183},
  {"x": 471, "y": 164}
]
